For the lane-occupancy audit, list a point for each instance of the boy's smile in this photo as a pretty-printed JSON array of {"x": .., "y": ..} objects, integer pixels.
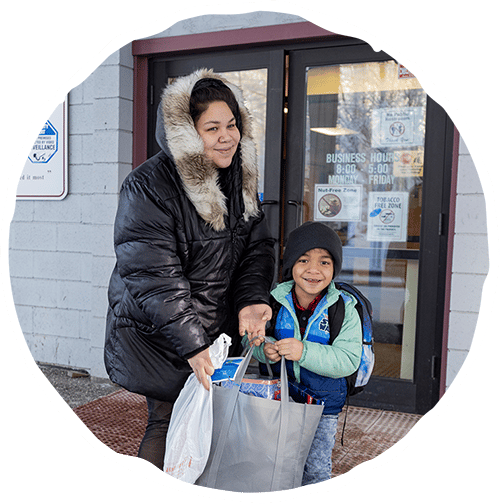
[{"x": 312, "y": 273}]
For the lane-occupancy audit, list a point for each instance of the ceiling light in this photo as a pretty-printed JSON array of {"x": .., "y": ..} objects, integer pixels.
[{"x": 334, "y": 131}]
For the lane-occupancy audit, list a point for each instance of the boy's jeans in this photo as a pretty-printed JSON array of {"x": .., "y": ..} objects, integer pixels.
[{"x": 319, "y": 461}]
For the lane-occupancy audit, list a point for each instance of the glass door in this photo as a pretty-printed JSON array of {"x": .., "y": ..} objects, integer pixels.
[
  {"x": 364, "y": 150},
  {"x": 260, "y": 74},
  {"x": 355, "y": 160}
]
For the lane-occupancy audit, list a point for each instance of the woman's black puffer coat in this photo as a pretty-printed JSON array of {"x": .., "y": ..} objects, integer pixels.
[{"x": 191, "y": 250}]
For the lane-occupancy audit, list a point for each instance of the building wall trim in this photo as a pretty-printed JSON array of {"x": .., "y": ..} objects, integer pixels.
[
  {"x": 262, "y": 35},
  {"x": 449, "y": 260}
]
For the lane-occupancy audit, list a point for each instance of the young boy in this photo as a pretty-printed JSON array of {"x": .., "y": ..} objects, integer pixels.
[{"x": 311, "y": 261}]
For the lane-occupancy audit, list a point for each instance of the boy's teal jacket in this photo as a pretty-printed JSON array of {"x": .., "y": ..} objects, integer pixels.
[{"x": 322, "y": 367}]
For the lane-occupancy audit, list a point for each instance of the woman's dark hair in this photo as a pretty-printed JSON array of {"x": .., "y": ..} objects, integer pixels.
[{"x": 207, "y": 91}]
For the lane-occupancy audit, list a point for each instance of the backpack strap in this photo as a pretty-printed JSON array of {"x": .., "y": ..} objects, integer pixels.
[{"x": 336, "y": 313}]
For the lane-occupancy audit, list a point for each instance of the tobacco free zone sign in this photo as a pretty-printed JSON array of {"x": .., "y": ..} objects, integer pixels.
[{"x": 387, "y": 216}]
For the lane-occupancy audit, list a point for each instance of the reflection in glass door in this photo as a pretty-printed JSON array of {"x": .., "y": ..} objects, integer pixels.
[
  {"x": 363, "y": 176},
  {"x": 254, "y": 85}
]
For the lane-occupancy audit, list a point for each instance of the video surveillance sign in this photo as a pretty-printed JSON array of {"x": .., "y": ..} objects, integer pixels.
[
  {"x": 45, "y": 173},
  {"x": 46, "y": 145}
]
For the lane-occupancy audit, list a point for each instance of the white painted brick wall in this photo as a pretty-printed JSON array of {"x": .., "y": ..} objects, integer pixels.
[
  {"x": 470, "y": 262},
  {"x": 61, "y": 252}
]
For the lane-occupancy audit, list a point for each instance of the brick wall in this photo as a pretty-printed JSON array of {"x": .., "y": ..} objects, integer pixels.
[
  {"x": 61, "y": 252},
  {"x": 470, "y": 262}
]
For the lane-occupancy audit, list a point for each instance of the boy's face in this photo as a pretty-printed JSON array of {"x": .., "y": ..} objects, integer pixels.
[{"x": 312, "y": 273}]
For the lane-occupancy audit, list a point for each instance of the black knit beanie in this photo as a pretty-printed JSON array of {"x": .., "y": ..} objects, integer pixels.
[{"x": 309, "y": 236}]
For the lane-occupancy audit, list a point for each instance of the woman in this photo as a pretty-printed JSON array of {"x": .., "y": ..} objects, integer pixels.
[{"x": 194, "y": 254}]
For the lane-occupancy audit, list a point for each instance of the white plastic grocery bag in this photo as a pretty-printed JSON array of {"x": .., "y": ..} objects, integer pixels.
[{"x": 189, "y": 435}]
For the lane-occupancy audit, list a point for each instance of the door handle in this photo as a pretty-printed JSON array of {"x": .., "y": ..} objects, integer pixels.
[
  {"x": 269, "y": 202},
  {"x": 297, "y": 205}
]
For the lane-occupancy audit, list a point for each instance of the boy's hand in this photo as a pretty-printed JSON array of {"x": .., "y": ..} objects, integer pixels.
[
  {"x": 271, "y": 352},
  {"x": 290, "y": 348},
  {"x": 252, "y": 319}
]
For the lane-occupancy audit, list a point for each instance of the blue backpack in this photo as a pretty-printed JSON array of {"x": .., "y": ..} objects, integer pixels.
[{"x": 358, "y": 380}]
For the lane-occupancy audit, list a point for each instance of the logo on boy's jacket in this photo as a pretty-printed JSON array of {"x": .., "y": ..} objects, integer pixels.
[{"x": 324, "y": 325}]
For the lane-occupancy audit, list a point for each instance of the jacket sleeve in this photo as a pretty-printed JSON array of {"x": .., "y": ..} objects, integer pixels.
[
  {"x": 255, "y": 272},
  {"x": 341, "y": 358},
  {"x": 145, "y": 247}
]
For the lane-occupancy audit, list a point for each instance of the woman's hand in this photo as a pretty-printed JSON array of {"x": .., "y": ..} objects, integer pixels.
[
  {"x": 252, "y": 319},
  {"x": 290, "y": 348},
  {"x": 202, "y": 366}
]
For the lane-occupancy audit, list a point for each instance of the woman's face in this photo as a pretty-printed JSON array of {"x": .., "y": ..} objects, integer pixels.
[{"x": 217, "y": 128}]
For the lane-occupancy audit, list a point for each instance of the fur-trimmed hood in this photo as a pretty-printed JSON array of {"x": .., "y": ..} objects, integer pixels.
[{"x": 178, "y": 138}]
